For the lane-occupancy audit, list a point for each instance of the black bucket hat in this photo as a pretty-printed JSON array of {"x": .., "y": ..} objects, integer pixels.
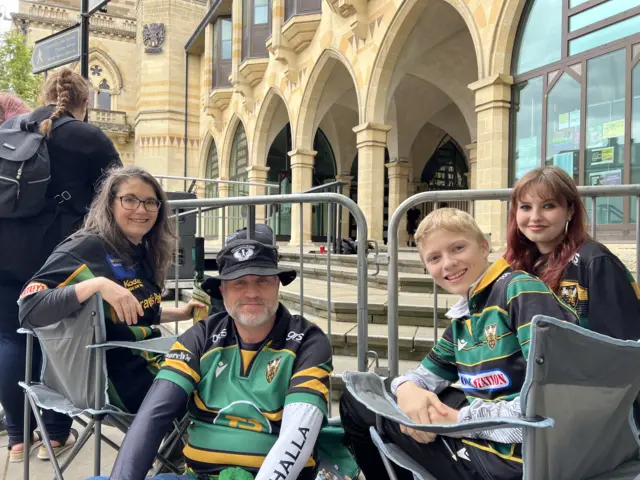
[{"x": 246, "y": 257}]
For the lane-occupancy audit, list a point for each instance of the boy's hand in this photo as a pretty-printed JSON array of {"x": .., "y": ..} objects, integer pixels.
[
  {"x": 415, "y": 402},
  {"x": 450, "y": 418}
]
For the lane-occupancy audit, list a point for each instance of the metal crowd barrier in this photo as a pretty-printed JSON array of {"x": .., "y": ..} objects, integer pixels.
[
  {"x": 300, "y": 198},
  {"x": 590, "y": 193}
]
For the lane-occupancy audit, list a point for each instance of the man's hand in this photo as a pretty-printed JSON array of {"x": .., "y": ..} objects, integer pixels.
[{"x": 415, "y": 402}]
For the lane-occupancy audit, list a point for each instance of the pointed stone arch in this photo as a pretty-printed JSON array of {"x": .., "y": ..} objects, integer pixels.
[
  {"x": 504, "y": 38},
  {"x": 224, "y": 154},
  {"x": 110, "y": 69},
  {"x": 263, "y": 133},
  {"x": 397, "y": 34},
  {"x": 309, "y": 116}
]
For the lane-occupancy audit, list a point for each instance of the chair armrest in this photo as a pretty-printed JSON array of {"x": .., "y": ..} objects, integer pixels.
[
  {"x": 26, "y": 331},
  {"x": 369, "y": 390},
  {"x": 154, "y": 345}
]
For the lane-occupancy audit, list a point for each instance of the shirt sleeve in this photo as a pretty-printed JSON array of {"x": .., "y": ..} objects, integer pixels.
[
  {"x": 481, "y": 410},
  {"x": 182, "y": 364},
  {"x": 311, "y": 372},
  {"x": 161, "y": 405},
  {"x": 50, "y": 295},
  {"x": 441, "y": 360},
  {"x": 423, "y": 378},
  {"x": 527, "y": 297},
  {"x": 301, "y": 424},
  {"x": 614, "y": 300}
]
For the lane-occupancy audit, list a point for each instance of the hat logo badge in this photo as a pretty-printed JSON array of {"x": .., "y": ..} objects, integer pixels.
[{"x": 243, "y": 253}]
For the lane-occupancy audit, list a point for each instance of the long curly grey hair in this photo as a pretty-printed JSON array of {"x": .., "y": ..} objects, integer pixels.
[{"x": 159, "y": 241}]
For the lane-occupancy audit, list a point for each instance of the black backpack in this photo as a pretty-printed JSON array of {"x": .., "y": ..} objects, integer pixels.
[{"x": 25, "y": 167}]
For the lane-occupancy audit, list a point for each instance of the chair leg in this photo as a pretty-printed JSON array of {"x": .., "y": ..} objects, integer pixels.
[
  {"x": 45, "y": 440},
  {"x": 97, "y": 431},
  {"x": 80, "y": 443},
  {"x": 388, "y": 466}
]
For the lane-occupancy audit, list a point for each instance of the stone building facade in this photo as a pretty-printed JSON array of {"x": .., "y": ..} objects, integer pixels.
[{"x": 390, "y": 97}]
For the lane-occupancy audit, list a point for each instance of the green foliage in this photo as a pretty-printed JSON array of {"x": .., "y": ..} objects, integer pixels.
[{"x": 15, "y": 68}]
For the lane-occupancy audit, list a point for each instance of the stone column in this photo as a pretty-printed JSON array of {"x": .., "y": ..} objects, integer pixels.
[
  {"x": 258, "y": 174},
  {"x": 398, "y": 192},
  {"x": 472, "y": 177},
  {"x": 371, "y": 141},
  {"x": 302, "y": 163},
  {"x": 493, "y": 96},
  {"x": 346, "y": 215},
  {"x": 224, "y": 191}
]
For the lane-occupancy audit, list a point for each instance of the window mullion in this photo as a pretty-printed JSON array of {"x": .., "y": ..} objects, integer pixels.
[{"x": 583, "y": 123}]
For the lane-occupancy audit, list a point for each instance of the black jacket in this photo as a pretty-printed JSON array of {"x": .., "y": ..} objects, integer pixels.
[
  {"x": 603, "y": 292},
  {"x": 79, "y": 153}
]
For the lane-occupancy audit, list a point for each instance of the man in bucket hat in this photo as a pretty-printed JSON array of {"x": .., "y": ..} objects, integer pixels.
[{"x": 256, "y": 380}]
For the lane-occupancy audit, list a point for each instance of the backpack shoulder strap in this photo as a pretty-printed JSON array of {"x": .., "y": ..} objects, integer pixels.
[{"x": 62, "y": 121}]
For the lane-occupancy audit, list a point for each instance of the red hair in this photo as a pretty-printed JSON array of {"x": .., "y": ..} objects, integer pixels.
[
  {"x": 522, "y": 253},
  {"x": 11, "y": 105}
]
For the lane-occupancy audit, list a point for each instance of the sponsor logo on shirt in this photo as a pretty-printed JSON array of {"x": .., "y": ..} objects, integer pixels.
[
  {"x": 489, "y": 380},
  {"x": 576, "y": 259},
  {"x": 461, "y": 344},
  {"x": 32, "y": 288},
  {"x": 179, "y": 356},
  {"x": 220, "y": 368},
  {"x": 296, "y": 337},
  {"x": 290, "y": 455},
  {"x": 216, "y": 337},
  {"x": 132, "y": 285},
  {"x": 120, "y": 271}
]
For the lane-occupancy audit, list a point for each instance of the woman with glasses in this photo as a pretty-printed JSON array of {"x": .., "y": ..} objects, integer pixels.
[{"x": 122, "y": 252}]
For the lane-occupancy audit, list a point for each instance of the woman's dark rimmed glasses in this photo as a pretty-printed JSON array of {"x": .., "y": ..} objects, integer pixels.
[{"x": 129, "y": 202}]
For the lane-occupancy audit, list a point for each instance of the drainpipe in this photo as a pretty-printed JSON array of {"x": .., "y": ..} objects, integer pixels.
[{"x": 186, "y": 112}]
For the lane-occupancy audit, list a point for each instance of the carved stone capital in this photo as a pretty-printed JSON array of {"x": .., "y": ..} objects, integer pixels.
[{"x": 358, "y": 9}]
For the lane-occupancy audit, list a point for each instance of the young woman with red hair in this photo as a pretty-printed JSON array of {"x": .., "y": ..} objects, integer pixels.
[{"x": 547, "y": 237}]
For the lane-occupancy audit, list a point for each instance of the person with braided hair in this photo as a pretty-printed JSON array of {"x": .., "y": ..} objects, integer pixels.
[{"x": 79, "y": 153}]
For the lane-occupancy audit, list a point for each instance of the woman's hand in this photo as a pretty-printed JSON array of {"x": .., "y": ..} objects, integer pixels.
[
  {"x": 416, "y": 402},
  {"x": 127, "y": 307},
  {"x": 179, "y": 314}
]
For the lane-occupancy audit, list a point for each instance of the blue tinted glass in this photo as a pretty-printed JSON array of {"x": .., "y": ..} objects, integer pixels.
[
  {"x": 602, "y": 11},
  {"x": 575, "y": 3},
  {"x": 260, "y": 12},
  {"x": 541, "y": 38},
  {"x": 226, "y": 30},
  {"x": 608, "y": 34},
  {"x": 226, "y": 49},
  {"x": 527, "y": 131}
]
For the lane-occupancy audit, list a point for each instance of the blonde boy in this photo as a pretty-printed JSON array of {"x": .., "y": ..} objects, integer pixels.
[{"x": 484, "y": 349}]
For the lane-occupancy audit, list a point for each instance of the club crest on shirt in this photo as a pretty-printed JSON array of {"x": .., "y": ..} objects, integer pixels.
[
  {"x": 569, "y": 293},
  {"x": 272, "y": 368},
  {"x": 490, "y": 335}
]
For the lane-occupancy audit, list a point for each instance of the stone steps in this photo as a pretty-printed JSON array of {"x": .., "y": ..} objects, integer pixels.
[{"x": 407, "y": 282}]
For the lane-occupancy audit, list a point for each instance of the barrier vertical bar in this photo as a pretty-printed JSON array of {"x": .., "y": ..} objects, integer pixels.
[
  {"x": 435, "y": 311},
  {"x": 224, "y": 227},
  {"x": 329, "y": 248},
  {"x": 363, "y": 293},
  {"x": 594, "y": 220},
  {"x": 251, "y": 222},
  {"x": 199, "y": 224},
  {"x": 27, "y": 405},
  {"x": 472, "y": 208},
  {"x": 177, "y": 266},
  {"x": 637, "y": 236},
  {"x": 392, "y": 293},
  {"x": 301, "y": 260}
]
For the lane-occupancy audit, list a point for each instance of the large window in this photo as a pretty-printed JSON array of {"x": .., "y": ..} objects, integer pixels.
[
  {"x": 211, "y": 219},
  {"x": 301, "y": 7},
  {"x": 572, "y": 105},
  {"x": 256, "y": 28},
  {"x": 238, "y": 173},
  {"x": 222, "y": 47}
]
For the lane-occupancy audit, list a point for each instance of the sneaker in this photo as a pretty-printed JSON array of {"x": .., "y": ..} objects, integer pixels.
[{"x": 3, "y": 427}]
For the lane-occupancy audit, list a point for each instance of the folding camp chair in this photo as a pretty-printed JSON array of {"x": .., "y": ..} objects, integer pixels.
[
  {"x": 73, "y": 381},
  {"x": 580, "y": 383}
]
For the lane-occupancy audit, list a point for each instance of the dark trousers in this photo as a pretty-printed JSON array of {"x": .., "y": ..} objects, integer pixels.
[
  {"x": 435, "y": 457},
  {"x": 13, "y": 349}
]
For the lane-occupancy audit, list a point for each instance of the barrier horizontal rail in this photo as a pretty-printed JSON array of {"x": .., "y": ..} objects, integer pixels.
[
  {"x": 502, "y": 194},
  {"x": 300, "y": 198}
]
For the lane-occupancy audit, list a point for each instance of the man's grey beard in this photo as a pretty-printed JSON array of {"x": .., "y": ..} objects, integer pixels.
[{"x": 255, "y": 320}]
